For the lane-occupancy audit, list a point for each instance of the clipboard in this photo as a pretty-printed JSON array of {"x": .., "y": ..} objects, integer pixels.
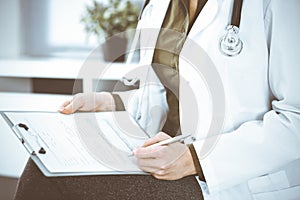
[{"x": 43, "y": 148}]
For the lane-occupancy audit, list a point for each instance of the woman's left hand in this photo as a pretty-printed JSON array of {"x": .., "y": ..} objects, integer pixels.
[{"x": 167, "y": 162}]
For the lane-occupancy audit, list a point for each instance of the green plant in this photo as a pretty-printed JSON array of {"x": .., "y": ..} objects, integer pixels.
[{"x": 111, "y": 18}]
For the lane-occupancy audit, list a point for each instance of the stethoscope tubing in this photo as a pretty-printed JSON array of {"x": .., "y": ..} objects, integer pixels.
[
  {"x": 236, "y": 13},
  {"x": 229, "y": 45}
]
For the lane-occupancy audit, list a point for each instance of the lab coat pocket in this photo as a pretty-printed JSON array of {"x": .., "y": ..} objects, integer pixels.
[
  {"x": 292, "y": 193},
  {"x": 283, "y": 184},
  {"x": 269, "y": 182}
]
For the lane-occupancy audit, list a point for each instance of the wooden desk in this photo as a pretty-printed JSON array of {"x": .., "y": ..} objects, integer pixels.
[{"x": 13, "y": 155}]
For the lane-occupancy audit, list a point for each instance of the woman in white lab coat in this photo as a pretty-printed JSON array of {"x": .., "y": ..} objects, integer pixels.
[{"x": 257, "y": 154}]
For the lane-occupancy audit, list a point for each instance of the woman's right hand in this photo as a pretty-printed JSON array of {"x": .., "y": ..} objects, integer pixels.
[{"x": 100, "y": 101}]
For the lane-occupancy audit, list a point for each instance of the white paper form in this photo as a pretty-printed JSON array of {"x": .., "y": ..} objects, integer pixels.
[{"x": 82, "y": 142}]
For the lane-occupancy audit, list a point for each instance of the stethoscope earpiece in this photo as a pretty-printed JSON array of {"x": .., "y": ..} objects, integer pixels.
[{"x": 230, "y": 43}]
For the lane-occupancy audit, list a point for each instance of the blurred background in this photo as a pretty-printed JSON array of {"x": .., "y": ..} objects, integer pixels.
[
  {"x": 43, "y": 45},
  {"x": 42, "y": 28},
  {"x": 47, "y": 27}
]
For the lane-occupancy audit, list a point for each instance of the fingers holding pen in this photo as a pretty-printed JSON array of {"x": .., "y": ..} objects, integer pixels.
[
  {"x": 150, "y": 159},
  {"x": 149, "y": 152},
  {"x": 165, "y": 158},
  {"x": 156, "y": 162},
  {"x": 157, "y": 138}
]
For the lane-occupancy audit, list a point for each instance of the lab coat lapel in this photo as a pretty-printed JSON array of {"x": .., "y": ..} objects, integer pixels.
[
  {"x": 156, "y": 11},
  {"x": 206, "y": 16}
]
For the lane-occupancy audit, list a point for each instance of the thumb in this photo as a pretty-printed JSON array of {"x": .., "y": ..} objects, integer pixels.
[
  {"x": 157, "y": 138},
  {"x": 64, "y": 108},
  {"x": 69, "y": 107}
]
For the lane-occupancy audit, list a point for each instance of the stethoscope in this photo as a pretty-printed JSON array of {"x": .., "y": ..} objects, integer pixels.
[{"x": 231, "y": 44}]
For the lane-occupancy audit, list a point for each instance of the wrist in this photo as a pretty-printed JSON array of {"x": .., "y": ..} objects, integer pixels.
[
  {"x": 105, "y": 102},
  {"x": 190, "y": 163}
]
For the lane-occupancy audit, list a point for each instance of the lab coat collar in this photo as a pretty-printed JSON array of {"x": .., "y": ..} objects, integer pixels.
[
  {"x": 206, "y": 16},
  {"x": 157, "y": 9}
]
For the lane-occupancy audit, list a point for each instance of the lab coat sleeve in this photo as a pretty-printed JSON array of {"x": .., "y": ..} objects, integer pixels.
[
  {"x": 261, "y": 147},
  {"x": 148, "y": 104},
  {"x": 119, "y": 106}
]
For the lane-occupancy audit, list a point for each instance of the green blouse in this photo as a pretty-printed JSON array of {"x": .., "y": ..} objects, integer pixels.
[{"x": 172, "y": 36}]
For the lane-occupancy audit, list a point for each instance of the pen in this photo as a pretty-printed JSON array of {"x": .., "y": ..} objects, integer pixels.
[{"x": 167, "y": 141}]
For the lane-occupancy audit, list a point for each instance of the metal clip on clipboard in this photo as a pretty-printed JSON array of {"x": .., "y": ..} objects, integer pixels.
[{"x": 30, "y": 140}]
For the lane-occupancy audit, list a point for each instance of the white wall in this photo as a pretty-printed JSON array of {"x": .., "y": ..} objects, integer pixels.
[{"x": 10, "y": 28}]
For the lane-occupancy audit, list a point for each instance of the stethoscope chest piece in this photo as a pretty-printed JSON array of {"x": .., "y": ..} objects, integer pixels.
[{"x": 230, "y": 43}]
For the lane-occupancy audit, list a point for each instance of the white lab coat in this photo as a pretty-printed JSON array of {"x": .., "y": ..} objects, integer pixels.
[{"x": 258, "y": 154}]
